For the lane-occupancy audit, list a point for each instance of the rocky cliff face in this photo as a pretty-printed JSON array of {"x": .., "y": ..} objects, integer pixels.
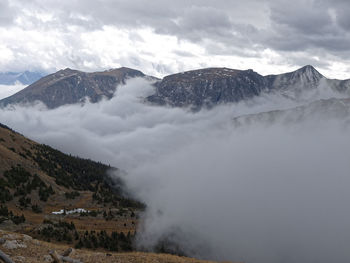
[
  {"x": 72, "y": 86},
  {"x": 213, "y": 86},
  {"x": 208, "y": 87}
]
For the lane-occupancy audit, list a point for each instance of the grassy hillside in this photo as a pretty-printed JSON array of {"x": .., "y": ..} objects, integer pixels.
[
  {"x": 37, "y": 180},
  {"x": 38, "y": 251}
]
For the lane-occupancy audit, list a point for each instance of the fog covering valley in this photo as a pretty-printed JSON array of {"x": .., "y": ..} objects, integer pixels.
[{"x": 263, "y": 180}]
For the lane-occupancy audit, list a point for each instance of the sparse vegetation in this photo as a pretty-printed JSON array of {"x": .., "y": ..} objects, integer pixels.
[
  {"x": 72, "y": 195},
  {"x": 66, "y": 232},
  {"x": 23, "y": 183},
  {"x": 6, "y": 214},
  {"x": 38, "y": 180},
  {"x": 37, "y": 209},
  {"x": 82, "y": 174}
]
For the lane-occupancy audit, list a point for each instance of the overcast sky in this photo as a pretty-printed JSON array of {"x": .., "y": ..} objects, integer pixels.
[{"x": 161, "y": 37}]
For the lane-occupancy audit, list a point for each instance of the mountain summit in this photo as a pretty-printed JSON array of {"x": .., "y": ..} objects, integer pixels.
[
  {"x": 70, "y": 86},
  {"x": 304, "y": 78},
  {"x": 207, "y": 87}
]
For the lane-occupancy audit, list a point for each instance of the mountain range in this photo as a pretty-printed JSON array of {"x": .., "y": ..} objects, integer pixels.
[
  {"x": 42, "y": 188},
  {"x": 194, "y": 89},
  {"x": 213, "y": 86},
  {"x": 25, "y": 78}
]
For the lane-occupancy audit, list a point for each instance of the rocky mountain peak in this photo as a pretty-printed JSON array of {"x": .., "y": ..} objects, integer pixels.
[
  {"x": 309, "y": 72},
  {"x": 122, "y": 72},
  {"x": 68, "y": 86},
  {"x": 304, "y": 78},
  {"x": 202, "y": 74}
]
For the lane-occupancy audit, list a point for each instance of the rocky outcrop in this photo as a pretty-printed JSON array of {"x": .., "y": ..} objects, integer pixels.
[{"x": 207, "y": 87}]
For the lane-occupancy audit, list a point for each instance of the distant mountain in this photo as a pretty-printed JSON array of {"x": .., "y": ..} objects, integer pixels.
[
  {"x": 333, "y": 108},
  {"x": 213, "y": 86},
  {"x": 194, "y": 89},
  {"x": 72, "y": 86},
  {"x": 25, "y": 78}
]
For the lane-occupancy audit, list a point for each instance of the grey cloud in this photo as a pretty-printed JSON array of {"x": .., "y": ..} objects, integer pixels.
[
  {"x": 305, "y": 16},
  {"x": 341, "y": 9},
  {"x": 201, "y": 22},
  {"x": 183, "y": 53},
  {"x": 225, "y": 28},
  {"x": 7, "y": 13},
  {"x": 308, "y": 25},
  {"x": 301, "y": 25}
]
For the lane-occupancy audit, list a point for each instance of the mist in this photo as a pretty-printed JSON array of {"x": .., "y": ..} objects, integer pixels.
[
  {"x": 222, "y": 186},
  {"x": 8, "y": 90}
]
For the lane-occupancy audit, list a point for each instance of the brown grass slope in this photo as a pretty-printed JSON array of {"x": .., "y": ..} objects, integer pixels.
[
  {"x": 112, "y": 212},
  {"x": 32, "y": 251}
]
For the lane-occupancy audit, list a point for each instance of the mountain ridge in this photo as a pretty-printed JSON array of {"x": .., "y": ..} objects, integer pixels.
[
  {"x": 24, "y": 78},
  {"x": 70, "y": 86},
  {"x": 195, "y": 89},
  {"x": 227, "y": 86}
]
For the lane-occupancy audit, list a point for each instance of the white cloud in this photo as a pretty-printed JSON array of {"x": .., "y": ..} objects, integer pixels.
[
  {"x": 8, "y": 90},
  {"x": 95, "y": 35},
  {"x": 269, "y": 192}
]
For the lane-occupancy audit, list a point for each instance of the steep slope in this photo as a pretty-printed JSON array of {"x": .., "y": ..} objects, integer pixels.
[
  {"x": 207, "y": 87},
  {"x": 72, "y": 86},
  {"x": 294, "y": 83},
  {"x": 26, "y": 77},
  {"x": 213, "y": 86},
  {"x": 36, "y": 180}
]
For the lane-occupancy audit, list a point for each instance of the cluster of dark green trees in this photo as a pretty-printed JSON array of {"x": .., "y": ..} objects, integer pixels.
[
  {"x": 72, "y": 195},
  {"x": 61, "y": 231},
  {"x": 113, "y": 242},
  {"x": 69, "y": 171},
  {"x": 83, "y": 174},
  {"x": 66, "y": 232},
  {"x": 22, "y": 183},
  {"x": 5, "y": 214}
]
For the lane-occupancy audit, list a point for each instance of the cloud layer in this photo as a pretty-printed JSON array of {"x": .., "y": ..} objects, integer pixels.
[
  {"x": 268, "y": 36},
  {"x": 270, "y": 191}
]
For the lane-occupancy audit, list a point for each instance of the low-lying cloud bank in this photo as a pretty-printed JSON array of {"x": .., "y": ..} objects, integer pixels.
[{"x": 267, "y": 190}]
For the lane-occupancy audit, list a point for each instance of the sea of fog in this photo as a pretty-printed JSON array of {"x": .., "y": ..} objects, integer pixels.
[{"x": 269, "y": 191}]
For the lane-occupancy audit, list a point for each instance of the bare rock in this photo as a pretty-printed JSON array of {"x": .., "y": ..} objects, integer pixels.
[
  {"x": 13, "y": 244},
  {"x": 36, "y": 242},
  {"x": 47, "y": 258},
  {"x": 27, "y": 238},
  {"x": 19, "y": 259},
  {"x": 12, "y": 236}
]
